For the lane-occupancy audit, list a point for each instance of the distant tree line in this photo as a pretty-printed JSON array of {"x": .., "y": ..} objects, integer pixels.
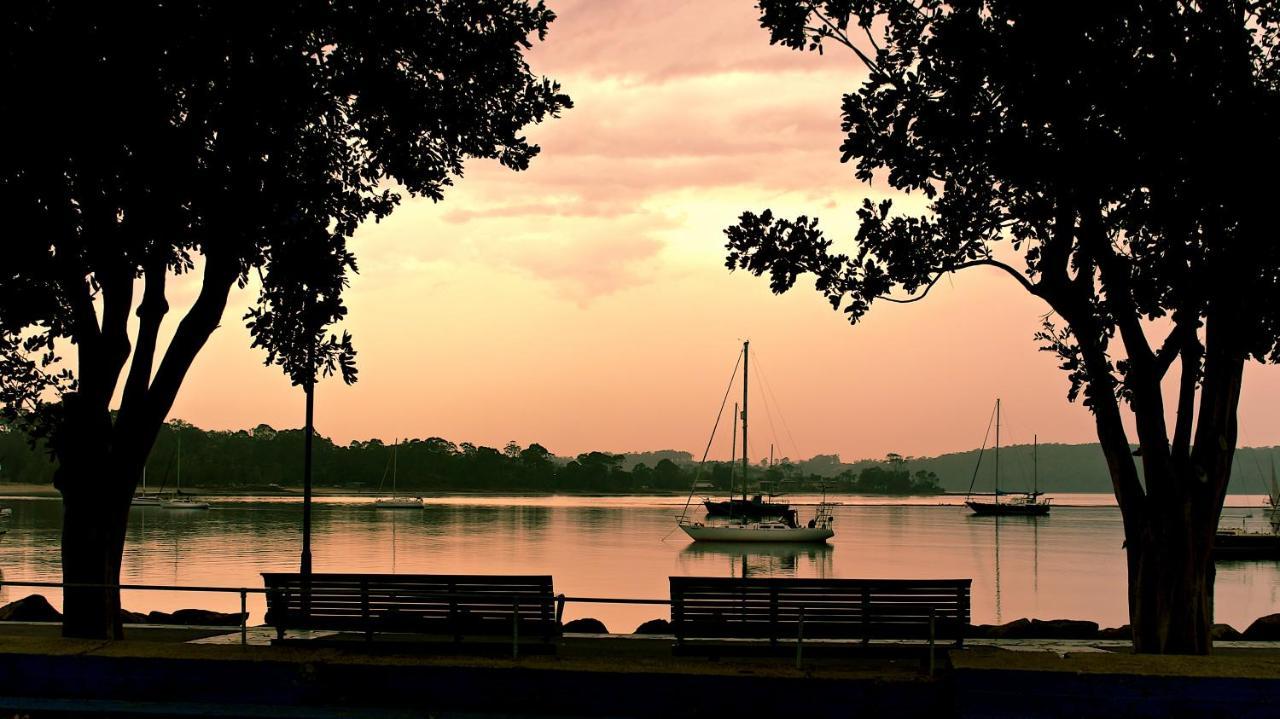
[{"x": 264, "y": 457}]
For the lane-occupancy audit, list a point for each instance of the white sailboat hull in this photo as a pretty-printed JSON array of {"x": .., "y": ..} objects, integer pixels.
[
  {"x": 185, "y": 504},
  {"x": 703, "y": 533},
  {"x": 414, "y": 503},
  {"x": 141, "y": 501}
]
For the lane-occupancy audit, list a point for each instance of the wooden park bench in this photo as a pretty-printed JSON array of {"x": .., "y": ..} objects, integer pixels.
[
  {"x": 795, "y": 610},
  {"x": 454, "y": 606}
]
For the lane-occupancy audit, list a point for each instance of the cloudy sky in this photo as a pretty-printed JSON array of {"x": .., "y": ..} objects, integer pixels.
[{"x": 584, "y": 304}]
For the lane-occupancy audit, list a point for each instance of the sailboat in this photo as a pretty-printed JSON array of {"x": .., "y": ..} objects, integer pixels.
[
  {"x": 1020, "y": 504},
  {"x": 144, "y": 499},
  {"x": 1246, "y": 543},
  {"x": 179, "y": 501},
  {"x": 744, "y": 528},
  {"x": 395, "y": 501},
  {"x": 1273, "y": 498}
]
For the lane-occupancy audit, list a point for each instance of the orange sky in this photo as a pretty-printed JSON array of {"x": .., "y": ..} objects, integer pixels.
[{"x": 584, "y": 304}]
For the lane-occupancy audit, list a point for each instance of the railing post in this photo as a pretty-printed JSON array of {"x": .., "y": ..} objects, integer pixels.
[
  {"x": 515, "y": 627},
  {"x": 800, "y": 640},
  {"x": 932, "y": 615},
  {"x": 244, "y": 617}
]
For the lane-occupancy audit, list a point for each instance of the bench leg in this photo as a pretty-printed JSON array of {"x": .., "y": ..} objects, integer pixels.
[
  {"x": 931, "y": 638},
  {"x": 800, "y": 641}
]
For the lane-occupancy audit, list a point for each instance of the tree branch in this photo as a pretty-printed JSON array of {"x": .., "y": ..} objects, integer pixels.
[
  {"x": 1190, "y": 376},
  {"x": 117, "y": 300},
  {"x": 151, "y": 313},
  {"x": 843, "y": 38},
  {"x": 192, "y": 333},
  {"x": 1026, "y": 284}
]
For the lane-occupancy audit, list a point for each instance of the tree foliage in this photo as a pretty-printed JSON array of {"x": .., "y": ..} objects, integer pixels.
[
  {"x": 151, "y": 141},
  {"x": 1109, "y": 160}
]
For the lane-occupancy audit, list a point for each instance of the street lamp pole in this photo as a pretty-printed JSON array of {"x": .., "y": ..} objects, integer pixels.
[{"x": 309, "y": 388}]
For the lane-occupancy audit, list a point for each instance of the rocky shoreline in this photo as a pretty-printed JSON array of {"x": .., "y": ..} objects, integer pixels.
[{"x": 35, "y": 608}]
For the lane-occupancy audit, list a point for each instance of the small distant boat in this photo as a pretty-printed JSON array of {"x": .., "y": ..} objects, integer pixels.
[
  {"x": 1231, "y": 544},
  {"x": 1273, "y": 499},
  {"x": 746, "y": 528},
  {"x": 144, "y": 499},
  {"x": 184, "y": 503},
  {"x": 395, "y": 501},
  {"x": 179, "y": 500},
  {"x": 1016, "y": 504}
]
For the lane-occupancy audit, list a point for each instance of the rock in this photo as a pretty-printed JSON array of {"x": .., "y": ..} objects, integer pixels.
[
  {"x": 32, "y": 608},
  {"x": 1124, "y": 632},
  {"x": 1223, "y": 633},
  {"x": 196, "y": 618},
  {"x": 1017, "y": 629},
  {"x": 979, "y": 631},
  {"x": 1263, "y": 629},
  {"x": 585, "y": 626},
  {"x": 1063, "y": 629},
  {"x": 128, "y": 617},
  {"x": 1037, "y": 629},
  {"x": 654, "y": 626}
]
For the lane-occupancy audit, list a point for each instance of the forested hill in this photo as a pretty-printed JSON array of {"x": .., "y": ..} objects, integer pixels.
[
  {"x": 263, "y": 456},
  {"x": 1061, "y": 468}
]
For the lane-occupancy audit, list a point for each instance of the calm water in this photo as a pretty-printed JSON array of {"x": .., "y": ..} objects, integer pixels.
[{"x": 1068, "y": 565}]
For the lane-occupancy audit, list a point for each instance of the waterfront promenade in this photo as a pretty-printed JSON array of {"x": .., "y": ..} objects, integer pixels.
[{"x": 167, "y": 671}]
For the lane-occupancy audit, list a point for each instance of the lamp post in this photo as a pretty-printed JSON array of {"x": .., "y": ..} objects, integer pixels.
[{"x": 308, "y": 387}]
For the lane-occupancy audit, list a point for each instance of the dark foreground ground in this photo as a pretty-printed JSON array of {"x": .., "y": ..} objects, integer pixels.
[{"x": 184, "y": 672}]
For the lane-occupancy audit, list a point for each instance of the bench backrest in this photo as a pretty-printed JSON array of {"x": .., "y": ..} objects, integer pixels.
[
  {"x": 453, "y": 604},
  {"x": 762, "y": 608}
]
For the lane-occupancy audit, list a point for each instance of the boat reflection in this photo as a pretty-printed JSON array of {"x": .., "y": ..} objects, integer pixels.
[{"x": 760, "y": 559}]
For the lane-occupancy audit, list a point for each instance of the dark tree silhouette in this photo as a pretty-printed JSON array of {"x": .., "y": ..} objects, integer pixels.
[
  {"x": 1098, "y": 157},
  {"x": 239, "y": 141}
]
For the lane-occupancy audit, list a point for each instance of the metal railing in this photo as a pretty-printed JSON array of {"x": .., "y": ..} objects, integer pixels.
[
  {"x": 561, "y": 599},
  {"x": 244, "y": 593}
]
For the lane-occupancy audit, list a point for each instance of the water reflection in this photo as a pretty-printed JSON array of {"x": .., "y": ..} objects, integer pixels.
[
  {"x": 614, "y": 547},
  {"x": 760, "y": 559},
  {"x": 1021, "y": 522}
]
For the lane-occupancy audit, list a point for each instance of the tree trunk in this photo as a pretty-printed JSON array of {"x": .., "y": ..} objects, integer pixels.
[
  {"x": 1171, "y": 575},
  {"x": 93, "y": 527}
]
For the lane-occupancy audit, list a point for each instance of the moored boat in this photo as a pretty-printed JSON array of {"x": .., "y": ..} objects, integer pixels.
[
  {"x": 1231, "y": 544},
  {"x": 747, "y": 528},
  {"x": 395, "y": 501},
  {"x": 1015, "y": 504},
  {"x": 184, "y": 503},
  {"x": 144, "y": 499}
]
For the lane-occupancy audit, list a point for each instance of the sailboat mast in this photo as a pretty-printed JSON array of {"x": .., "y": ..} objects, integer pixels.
[
  {"x": 745, "y": 356},
  {"x": 179, "y": 487},
  {"x": 997, "y": 450},
  {"x": 733, "y": 449},
  {"x": 395, "y": 465},
  {"x": 1035, "y": 465}
]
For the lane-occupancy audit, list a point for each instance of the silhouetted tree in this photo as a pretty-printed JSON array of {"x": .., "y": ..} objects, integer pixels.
[
  {"x": 1095, "y": 155},
  {"x": 153, "y": 139}
]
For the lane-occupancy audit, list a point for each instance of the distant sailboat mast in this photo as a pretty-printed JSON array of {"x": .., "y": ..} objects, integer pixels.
[
  {"x": 733, "y": 458},
  {"x": 997, "y": 450},
  {"x": 746, "y": 355}
]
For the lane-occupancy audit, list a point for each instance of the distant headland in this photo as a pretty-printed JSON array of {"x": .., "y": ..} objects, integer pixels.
[{"x": 265, "y": 458}]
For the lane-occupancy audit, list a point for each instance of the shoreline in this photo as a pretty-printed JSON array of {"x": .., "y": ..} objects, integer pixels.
[{"x": 21, "y": 490}]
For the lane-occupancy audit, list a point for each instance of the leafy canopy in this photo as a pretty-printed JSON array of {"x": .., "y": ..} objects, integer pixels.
[
  {"x": 149, "y": 139},
  {"x": 1101, "y": 155}
]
